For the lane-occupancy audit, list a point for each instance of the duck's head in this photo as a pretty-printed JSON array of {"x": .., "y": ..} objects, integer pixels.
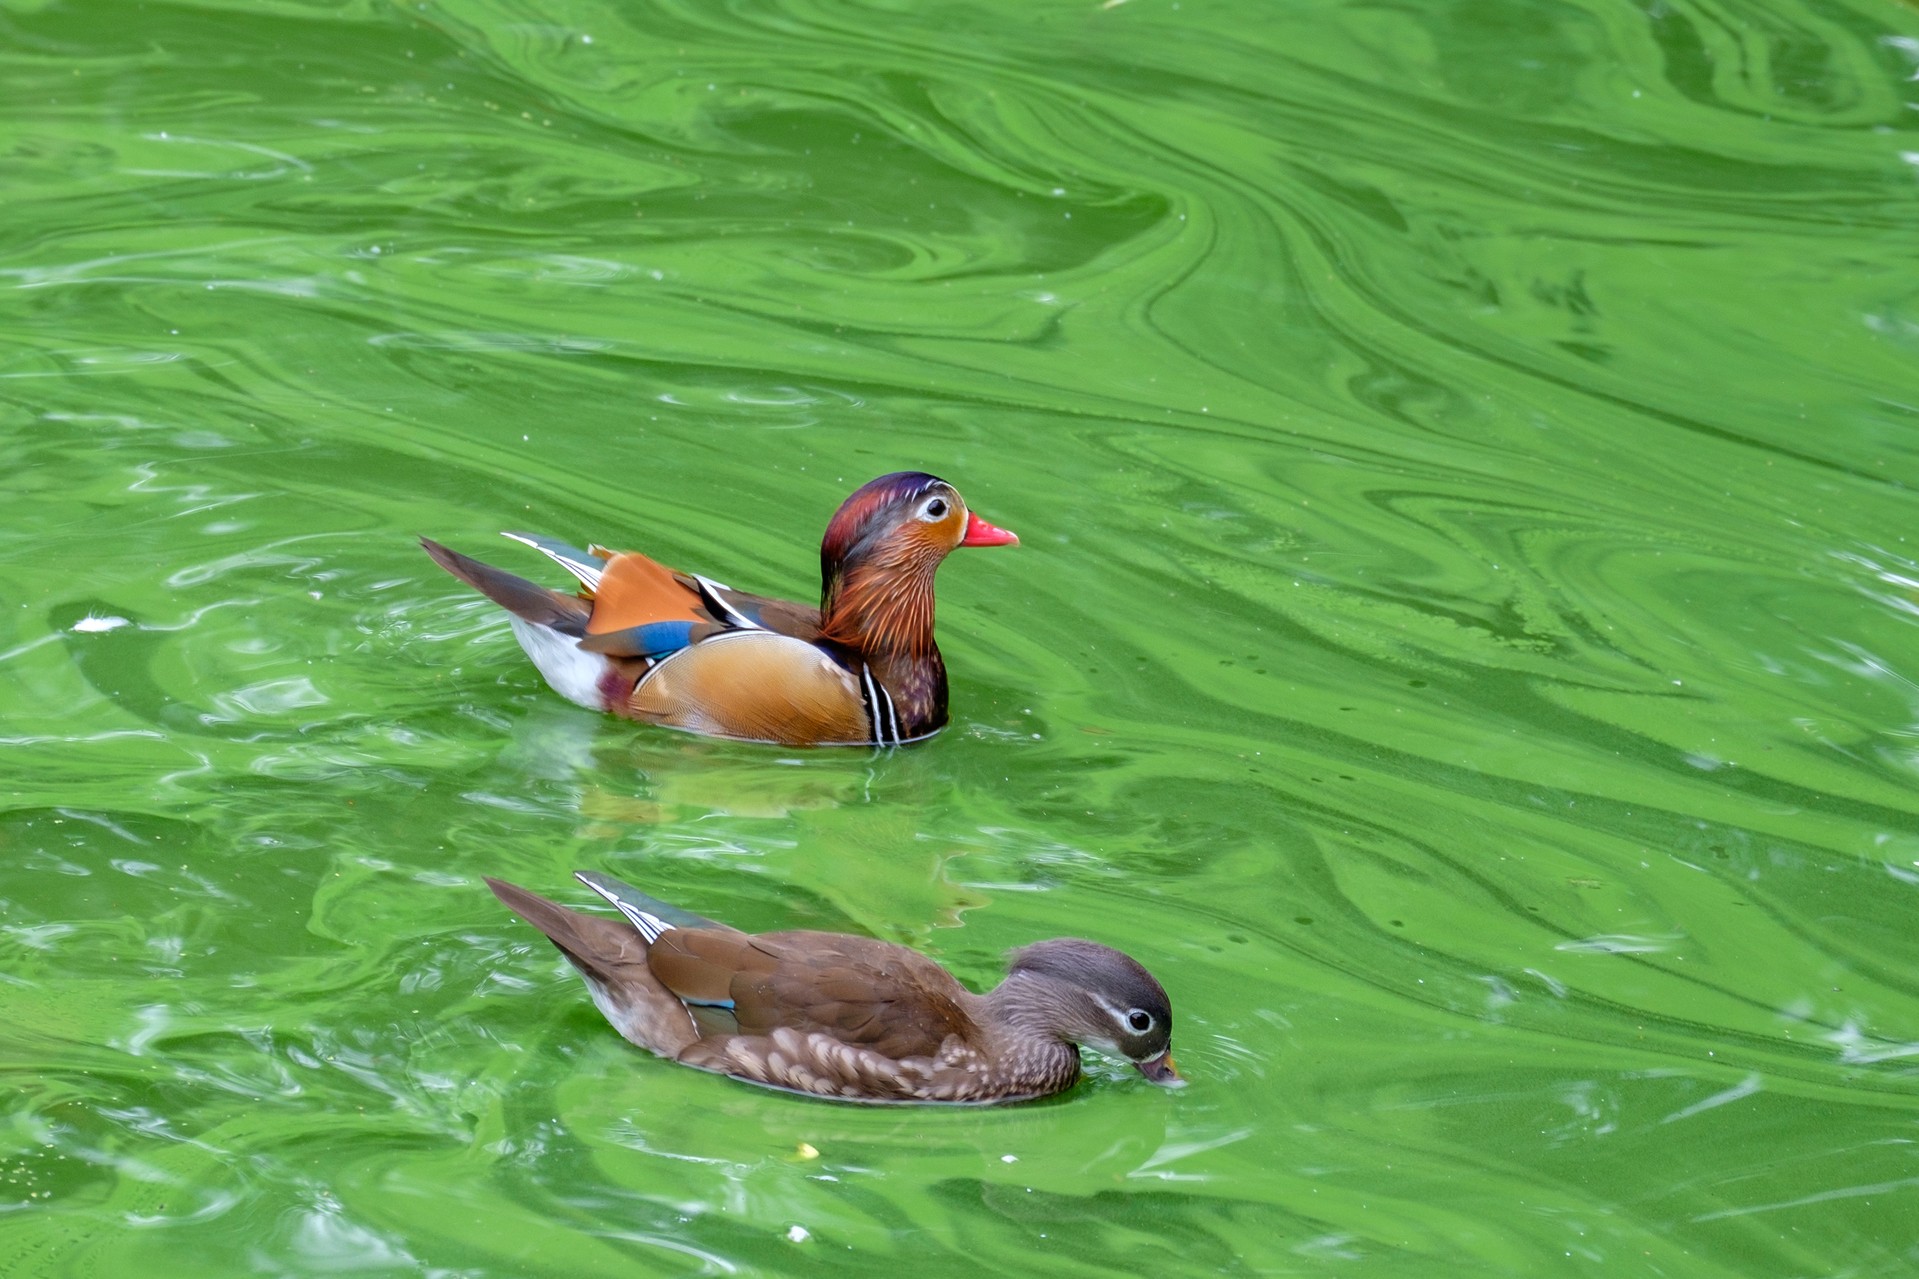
[
  {"x": 1097, "y": 997},
  {"x": 908, "y": 517},
  {"x": 887, "y": 539}
]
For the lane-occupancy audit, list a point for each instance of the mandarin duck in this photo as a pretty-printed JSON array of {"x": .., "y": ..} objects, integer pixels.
[
  {"x": 682, "y": 650},
  {"x": 852, "y": 1018}
]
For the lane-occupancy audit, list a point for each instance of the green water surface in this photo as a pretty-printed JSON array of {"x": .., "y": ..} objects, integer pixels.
[{"x": 1465, "y": 638}]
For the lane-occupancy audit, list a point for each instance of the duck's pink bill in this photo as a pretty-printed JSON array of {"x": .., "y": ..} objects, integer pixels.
[
  {"x": 1160, "y": 1070},
  {"x": 980, "y": 533}
]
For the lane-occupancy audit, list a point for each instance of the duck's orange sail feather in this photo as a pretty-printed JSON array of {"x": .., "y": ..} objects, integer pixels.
[{"x": 637, "y": 591}]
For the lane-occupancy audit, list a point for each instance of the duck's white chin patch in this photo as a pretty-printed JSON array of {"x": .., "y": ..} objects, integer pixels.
[{"x": 571, "y": 672}]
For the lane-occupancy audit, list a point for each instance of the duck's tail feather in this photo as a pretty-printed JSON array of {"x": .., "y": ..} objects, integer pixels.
[
  {"x": 594, "y": 944},
  {"x": 611, "y": 955},
  {"x": 530, "y": 601}
]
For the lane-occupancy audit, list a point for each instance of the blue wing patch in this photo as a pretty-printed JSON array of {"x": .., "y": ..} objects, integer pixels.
[{"x": 653, "y": 639}]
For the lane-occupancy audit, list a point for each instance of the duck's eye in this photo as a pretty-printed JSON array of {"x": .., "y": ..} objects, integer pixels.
[
  {"x": 934, "y": 510},
  {"x": 1139, "y": 1021}
]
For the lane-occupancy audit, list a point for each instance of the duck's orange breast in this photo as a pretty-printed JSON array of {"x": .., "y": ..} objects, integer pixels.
[{"x": 757, "y": 686}]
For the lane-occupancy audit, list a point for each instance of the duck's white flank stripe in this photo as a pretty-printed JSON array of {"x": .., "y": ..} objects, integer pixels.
[
  {"x": 872, "y": 705},
  {"x": 892, "y": 715},
  {"x": 886, "y": 727}
]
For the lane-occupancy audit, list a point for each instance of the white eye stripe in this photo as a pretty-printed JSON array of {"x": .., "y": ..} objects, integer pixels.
[
  {"x": 1125, "y": 1017},
  {"x": 935, "y": 509}
]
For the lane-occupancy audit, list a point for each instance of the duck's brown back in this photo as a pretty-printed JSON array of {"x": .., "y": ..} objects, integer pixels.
[{"x": 855, "y": 989}]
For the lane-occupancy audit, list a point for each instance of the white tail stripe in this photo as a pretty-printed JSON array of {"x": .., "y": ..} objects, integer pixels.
[
  {"x": 650, "y": 926},
  {"x": 588, "y": 574}
]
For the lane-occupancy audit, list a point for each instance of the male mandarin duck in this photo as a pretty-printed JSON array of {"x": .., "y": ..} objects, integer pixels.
[
  {"x": 681, "y": 650},
  {"x": 852, "y": 1018}
]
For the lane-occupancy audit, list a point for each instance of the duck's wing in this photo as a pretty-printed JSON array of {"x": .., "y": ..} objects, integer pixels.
[
  {"x": 642, "y": 608},
  {"x": 855, "y": 990},
  {"x": 629, "y": 605},
  {"x": 784, "y": 617}
]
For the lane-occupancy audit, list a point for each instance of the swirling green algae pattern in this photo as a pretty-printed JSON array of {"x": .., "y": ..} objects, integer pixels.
[{"x": 1463, "y": 639}]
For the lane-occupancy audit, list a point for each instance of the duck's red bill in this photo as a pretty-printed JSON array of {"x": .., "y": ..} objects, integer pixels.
[
  {"x": 1160, "y": 1070},
  {"x": 980, "y": 533}
]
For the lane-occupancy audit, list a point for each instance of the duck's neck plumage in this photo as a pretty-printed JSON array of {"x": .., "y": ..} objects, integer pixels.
[
  {"x": 1028, "y": 1016},
  {"x": 878, "y": 609}
]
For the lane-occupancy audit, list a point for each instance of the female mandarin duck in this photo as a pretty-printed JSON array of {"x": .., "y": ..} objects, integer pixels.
[
  {"x": 851, "y": 1018},
  {"x": 678, "y": 649}
]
